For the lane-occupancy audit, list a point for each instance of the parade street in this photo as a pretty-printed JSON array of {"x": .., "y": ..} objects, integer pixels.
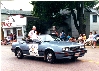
[{"x": 89, "y": 62}]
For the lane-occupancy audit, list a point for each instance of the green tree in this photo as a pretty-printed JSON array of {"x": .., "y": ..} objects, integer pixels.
[{"x": 49, "y": 10}]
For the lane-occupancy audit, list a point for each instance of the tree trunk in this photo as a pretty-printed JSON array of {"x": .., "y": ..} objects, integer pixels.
[
  {"x": 75, "y": 20},
  {"x": 81, "y": 29}
]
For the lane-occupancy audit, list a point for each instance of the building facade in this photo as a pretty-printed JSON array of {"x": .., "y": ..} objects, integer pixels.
[
  {"x": 92, "y": 21},
  {"x": 14, "y": 22}
]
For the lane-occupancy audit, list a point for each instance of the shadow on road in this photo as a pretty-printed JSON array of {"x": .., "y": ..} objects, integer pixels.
[{"x": 58, "y": 61}]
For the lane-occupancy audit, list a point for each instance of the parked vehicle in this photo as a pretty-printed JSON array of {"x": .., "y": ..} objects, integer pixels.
[{"x": 49, "y": 47}]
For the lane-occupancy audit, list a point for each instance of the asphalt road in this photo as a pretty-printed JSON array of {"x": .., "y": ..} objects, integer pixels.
[{"x": 89, "y": 62}]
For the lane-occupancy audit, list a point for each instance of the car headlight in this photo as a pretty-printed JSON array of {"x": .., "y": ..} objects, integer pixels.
[
  {"x": 65, "y": 49},
  {"x": 82, "y": 46}
]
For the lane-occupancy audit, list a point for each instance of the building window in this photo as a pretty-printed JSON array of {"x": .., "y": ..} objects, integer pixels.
[
  {"x": 20, "y": 32},
  {"x": 8, "y": 32},
  {"x": 94, "y": 18}
]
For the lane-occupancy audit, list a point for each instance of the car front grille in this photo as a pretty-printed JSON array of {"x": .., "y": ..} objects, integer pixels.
[{"x": 75, "y": 48}]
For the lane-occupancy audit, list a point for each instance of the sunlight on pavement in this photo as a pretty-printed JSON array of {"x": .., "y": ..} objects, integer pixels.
[
  {"x": 91, "y": 61},
  {"x": 97, "y": 62}
]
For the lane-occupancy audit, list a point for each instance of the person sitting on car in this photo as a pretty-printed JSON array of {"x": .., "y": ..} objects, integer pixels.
[{"x": 33, "y": 33}]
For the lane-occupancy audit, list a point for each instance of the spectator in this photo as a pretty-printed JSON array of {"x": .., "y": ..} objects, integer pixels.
[
  {"x": 94, "y": 39},
  {"x": 62, "y": 35},
  {"x": 14, "y": 37},
  {"x": 56, "y": 33},
  {"x": 11, "y": 38},
  {"x": 91, "y": 38},
  {"x": 84, "y": 38},
  {"x": 68, "y": 37},
  {"x": 72, "y": 39},
  {"x": 80, "y": 38},
  {"x": 4, "y": 42}
]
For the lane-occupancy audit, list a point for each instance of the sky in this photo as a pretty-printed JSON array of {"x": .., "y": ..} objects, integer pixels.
[{"x": 17, "y": 5}]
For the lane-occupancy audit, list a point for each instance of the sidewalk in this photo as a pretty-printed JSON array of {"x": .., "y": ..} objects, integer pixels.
[{"x": 90, "y": 46}]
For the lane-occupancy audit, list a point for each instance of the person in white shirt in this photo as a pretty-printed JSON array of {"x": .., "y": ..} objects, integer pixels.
[
  {"x": 33, "y": 33},
  {"x": 91, "y": 38},
  {"x": 94, "y": 39},
  {"x": 80, "y": 38}
]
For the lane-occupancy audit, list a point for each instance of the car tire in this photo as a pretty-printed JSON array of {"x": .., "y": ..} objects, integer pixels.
[
  {"x": 50, "y": 57},
  {"x": 19, "y": 54},
  {"x": 74, "y": 58}
]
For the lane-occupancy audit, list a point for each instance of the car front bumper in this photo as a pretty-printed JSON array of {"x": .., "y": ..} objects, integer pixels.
[{"x": 70, "y": 54}]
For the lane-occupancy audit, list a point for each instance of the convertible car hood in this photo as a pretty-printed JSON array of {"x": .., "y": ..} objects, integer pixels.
[{"x": 65, "y": 44}]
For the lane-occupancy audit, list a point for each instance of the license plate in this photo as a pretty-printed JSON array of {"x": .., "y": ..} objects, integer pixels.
[{"x": 77, "y": 54}]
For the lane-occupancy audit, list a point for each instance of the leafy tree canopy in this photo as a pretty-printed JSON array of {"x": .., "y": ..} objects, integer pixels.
[
  {"x": 50, "y": 10},
  {"x": 46, "y": 9}
]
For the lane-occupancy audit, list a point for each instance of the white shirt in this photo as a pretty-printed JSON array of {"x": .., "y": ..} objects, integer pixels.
[
  {"x": 91, "y": 37},
  {"x": 80, "y": 38},
  {"x": 33, "y": 34}
]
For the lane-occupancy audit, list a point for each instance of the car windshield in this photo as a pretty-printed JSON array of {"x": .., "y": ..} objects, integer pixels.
[
  {"x": 49, "y": 38},
  {"x": 55, "y": 38}
]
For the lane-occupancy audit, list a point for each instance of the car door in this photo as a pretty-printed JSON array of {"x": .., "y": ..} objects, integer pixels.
[
  {"x": 42, "y": 45},
  {"x": 41, "y": 48},
  {"x": 33, "y": 49},
  {"x": 23, "y": 46}
]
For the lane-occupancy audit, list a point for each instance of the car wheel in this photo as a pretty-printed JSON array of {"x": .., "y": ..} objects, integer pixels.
[
  {"x": 74, "y": 58},
  {"x": 19, "y": 54},
  {"x": 50, "y": 57}
]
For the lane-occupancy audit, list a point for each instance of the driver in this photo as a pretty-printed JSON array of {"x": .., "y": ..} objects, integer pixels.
[{"x": 33, "y": 33}]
